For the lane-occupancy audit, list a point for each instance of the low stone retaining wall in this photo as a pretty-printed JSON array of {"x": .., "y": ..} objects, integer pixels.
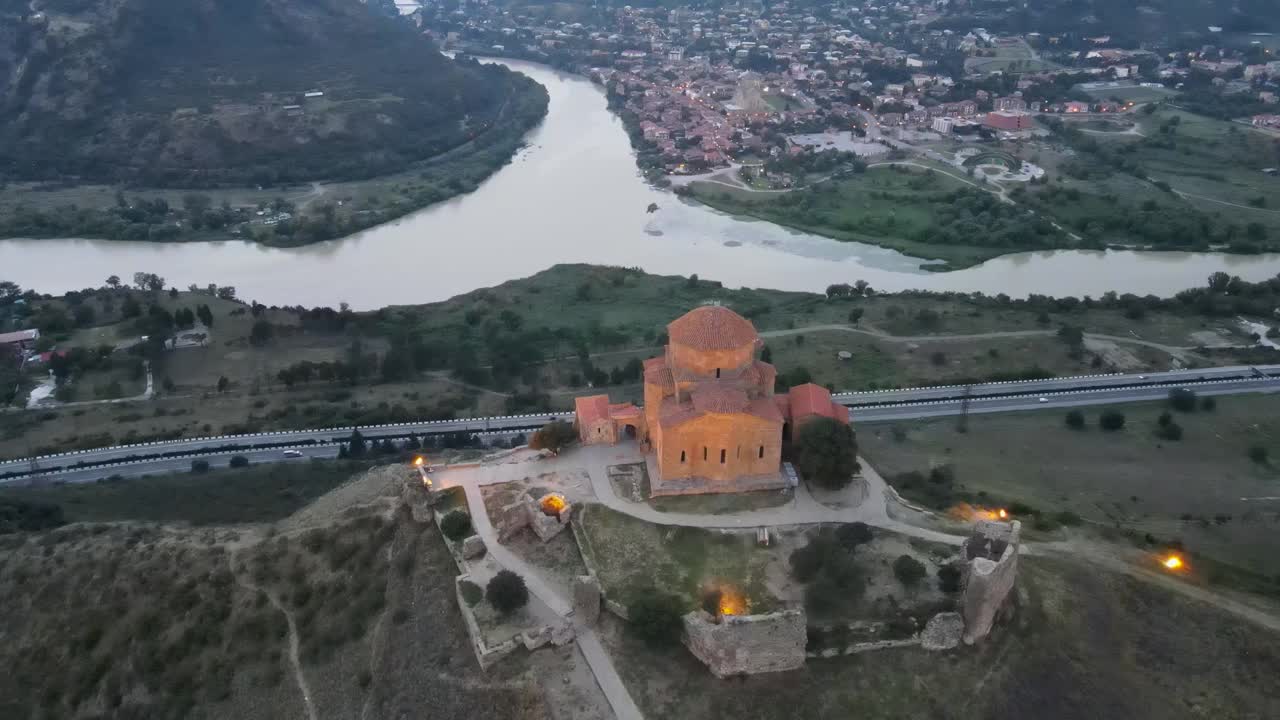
[
  {"x": 892, "y": 493},
  {"x": 856, "y": 648},
  {"x": 486, "y": 655},
  {"x": 455, "y": 548}
]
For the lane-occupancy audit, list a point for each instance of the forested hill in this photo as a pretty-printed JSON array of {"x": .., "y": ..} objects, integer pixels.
[
  {"x": 213, "y": 92},
  {"x": 1134, "y": 20}
]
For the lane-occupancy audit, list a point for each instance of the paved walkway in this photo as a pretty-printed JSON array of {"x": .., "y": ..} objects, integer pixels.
[
  {"x": 624, "y": 708},
  {"x": 845, "y": 506},
  {"x": 537, "y": 584},
  {"x": 866, "y": 503}
]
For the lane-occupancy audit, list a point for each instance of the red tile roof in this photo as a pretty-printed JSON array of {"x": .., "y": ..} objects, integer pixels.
[
  {"x": 592, "y": 408},
  {"x": 764, "y": 408},
  {"x": 623, "y": 411},
  {"x": 712, "y": 328},
  {"x": 809, "y": 399},
  {"x": 656, "y": 373},
  {"x": 673, "y": 413},
  {"x": 719, "y": 400}
]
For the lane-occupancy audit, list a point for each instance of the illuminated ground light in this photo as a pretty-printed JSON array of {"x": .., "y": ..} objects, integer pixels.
[
  {"x": 724, "y": 600},
  {"x": 1172, "y": 562},
  {"x": 965, "y": 511},
  {"x": 553, "y": 504}
]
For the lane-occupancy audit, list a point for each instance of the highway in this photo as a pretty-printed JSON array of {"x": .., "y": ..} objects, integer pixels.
[
  {"x": 869, "y": 406},
  {"x": 165, "y": 466}
]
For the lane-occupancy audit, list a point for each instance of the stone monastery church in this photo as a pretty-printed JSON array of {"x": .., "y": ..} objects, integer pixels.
[{"x": 710, "y": 416}]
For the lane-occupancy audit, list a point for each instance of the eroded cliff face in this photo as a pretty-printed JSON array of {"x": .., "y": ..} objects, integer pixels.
[{"x": 209, "y": 92}]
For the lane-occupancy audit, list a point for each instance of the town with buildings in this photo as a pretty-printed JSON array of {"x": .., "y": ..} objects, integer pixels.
[{"x": 704, "y": 88}]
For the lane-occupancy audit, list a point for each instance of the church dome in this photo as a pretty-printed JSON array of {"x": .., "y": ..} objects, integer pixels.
[{"x": 712, "y": 328}]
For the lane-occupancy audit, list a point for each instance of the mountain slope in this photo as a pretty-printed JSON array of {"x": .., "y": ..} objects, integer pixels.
[
  {"x": 1126, "y": 21},
  {"x": 213, "y": 92}
]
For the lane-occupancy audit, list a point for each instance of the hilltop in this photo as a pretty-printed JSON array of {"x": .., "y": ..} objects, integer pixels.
[
  {"x": 1128, "y": 20},
  {"x": 205, "y": 94}
]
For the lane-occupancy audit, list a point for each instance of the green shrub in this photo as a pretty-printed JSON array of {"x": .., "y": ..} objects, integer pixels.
[
  {"x": 1182, "y": 400},
  {"x": 949, "y": 578},
  {"x": 908, "y": 570},
  {"x": 554, "y": 436},
  {"x": 1111, "y": 420},
  {"x": 471, "y": 592},
  {"x": 827, "y": 595},
  {"x": 1068, "y": 518},
  {"x": 239, "y": 461},
  {"x": 1258, "y": 454},
  {"x": 1075, "y": 420},
  {"x": 199, "y": 466},
  {"x": 900, "y": 627},
  {"x": 656, "y": 616},
  {"x": 853, "y": 534},
  {"x": 826, "y": 453},
  {"x": 506, "y": 592},
  {"x": 1044, "y": 523},
  {"x": 455, "y": 525},
  {"x": 806, "y": 562},
  {"x": 1171, "y": 431}
]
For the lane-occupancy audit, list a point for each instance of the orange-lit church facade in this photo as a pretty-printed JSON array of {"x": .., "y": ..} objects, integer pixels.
[{"x": 710, "y": 416}]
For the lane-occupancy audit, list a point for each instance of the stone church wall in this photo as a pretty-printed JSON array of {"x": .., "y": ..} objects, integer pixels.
[{"x": 716, "y": 432}]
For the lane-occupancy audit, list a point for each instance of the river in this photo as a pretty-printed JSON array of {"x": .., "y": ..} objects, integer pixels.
[{"x": 574, "y": 195}]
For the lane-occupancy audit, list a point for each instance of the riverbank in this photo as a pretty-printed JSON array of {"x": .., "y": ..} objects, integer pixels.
[
  {"x": 894, "y": 207},
  {"x": 573, "y": 195},
  {"x": 283, "y": 216}
]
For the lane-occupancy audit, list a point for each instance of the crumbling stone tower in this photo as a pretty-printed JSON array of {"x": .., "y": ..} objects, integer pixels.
[{"x": 990, "y": 569}]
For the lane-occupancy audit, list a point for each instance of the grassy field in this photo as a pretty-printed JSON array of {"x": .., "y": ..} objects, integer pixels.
[
  {"x": 877, "y": 363},
  {"x": 1015, "y": 58},
  {"x": 884, "y": 206},
  {"x": 1135, "y": 94},
  {"x": 1213, "y": 165},
  {"x": 169, "y": 621},
  {"x": 260, "y": 493},
  {"x": 1218, "y": 160},
  {"x": 1193, "y": 490},
  {"x": 1083, "y": 645},
  {"x": 629, "y": 555}
]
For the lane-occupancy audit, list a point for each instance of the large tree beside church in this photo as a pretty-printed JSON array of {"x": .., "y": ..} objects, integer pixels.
[{"x": 826, "y": 452}]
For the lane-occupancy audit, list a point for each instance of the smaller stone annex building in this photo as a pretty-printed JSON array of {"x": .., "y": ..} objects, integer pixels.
[{"x": 710, "y": 414}]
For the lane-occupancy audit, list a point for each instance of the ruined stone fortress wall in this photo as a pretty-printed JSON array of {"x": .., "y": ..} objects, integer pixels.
[
  {"x": 990, "y": 571},
  {"x": 747, "y": 644}
]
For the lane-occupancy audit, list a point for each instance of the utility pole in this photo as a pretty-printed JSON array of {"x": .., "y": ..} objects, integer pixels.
[
  {"x": 963, "y": 424},
  {"x": 34, "y": 475}
]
